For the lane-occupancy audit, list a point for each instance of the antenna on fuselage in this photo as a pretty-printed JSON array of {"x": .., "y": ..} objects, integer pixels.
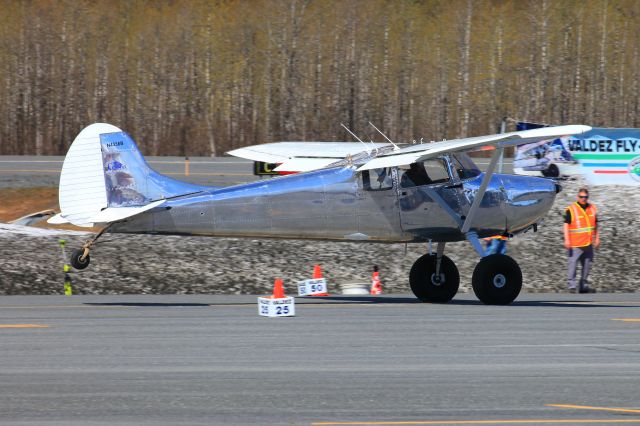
[
  {"x": 366, "y": 148},
  {"x": 395, "y": 147}
]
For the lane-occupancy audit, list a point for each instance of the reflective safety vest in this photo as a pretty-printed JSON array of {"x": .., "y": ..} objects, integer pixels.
[
  {"x": 582, "y": 226},
  {"x": 497, "y": 237}
]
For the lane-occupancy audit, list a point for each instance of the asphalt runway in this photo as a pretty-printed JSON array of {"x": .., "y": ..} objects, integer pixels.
[
  {"x": 98, "y": 360},
  {"x": 32, "y": 171}
]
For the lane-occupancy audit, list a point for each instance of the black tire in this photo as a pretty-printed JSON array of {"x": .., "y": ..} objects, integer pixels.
[
  {"x": 497, "y": 280},
  {"x": 76, "y": 259},
  {"x": 552, "y": 171},
  {"x": 425, "y": 286}
]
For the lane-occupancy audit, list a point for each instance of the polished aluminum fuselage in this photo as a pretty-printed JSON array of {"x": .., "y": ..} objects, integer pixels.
[{"x": 332, "y": 204}]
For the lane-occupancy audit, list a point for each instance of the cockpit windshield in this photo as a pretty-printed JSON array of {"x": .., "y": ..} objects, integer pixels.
[{"x": 464, "y": 166}]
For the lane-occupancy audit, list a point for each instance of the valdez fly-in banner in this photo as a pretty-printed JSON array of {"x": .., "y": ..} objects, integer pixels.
[{"x": 604, "y": 156}]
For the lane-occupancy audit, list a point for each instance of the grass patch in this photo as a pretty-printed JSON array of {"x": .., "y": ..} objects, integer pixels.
[{"x": 18, "y": 202}]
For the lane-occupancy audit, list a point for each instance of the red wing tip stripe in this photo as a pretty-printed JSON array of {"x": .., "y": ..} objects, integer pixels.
[{"x": 611, "y": 172}]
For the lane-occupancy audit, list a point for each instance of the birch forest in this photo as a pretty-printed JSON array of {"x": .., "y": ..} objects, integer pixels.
[{"x": 201, "y": 77}]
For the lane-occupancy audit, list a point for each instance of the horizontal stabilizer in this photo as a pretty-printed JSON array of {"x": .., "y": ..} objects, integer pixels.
[
  {"x": 108, "y": 215},
  {"x": 57, "y": 220},
  {"x": 114, "y": 214}
]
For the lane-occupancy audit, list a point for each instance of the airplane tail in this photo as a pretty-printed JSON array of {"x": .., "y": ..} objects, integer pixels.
[{"x": 105, "y": 178}]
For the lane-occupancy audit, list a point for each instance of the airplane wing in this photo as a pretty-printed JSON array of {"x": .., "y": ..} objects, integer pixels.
[
  {"x": 298, "y": 164},
  {"x": 422, "y": 152},
  {"x": 530, "y": 146},
  {"x": 303, "y": 156}
]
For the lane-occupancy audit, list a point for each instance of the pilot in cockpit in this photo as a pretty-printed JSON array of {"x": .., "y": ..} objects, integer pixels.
[{"x": 415, "y": 176}]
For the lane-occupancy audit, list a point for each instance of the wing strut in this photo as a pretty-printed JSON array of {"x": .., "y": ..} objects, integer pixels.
[
  {"x": 472, "y": 236},
  {"x": 480, "y": 194}
]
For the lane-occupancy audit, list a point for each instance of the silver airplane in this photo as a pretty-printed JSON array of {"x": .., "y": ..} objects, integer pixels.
[{"x": 383, "y": 193}]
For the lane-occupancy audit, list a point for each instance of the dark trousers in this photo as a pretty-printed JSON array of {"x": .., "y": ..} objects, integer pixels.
[{"x": 584, "y": 256}]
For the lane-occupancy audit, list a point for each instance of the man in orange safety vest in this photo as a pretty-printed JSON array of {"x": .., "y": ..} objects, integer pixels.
[{"x": 581, "y": 237}]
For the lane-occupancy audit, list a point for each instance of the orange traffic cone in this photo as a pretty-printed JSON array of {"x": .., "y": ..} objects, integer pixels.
[
  {"x": 278, "y": 290},
  {"x": 317, "y": 274},
  {"x": 376, "y": 285}
]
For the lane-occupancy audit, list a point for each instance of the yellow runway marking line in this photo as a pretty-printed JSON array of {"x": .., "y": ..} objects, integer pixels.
[
  {"x": 626, "y": 319},
  {"x": 593, "y": 302},
  {"x": 29, "y": 171},
  {"x": 23, "y": 326},
  {"x": 588, "y": 407},
  {"x": 484, "y": 422},
  {"x": 197, "y": 162},
  {"x": 31, "y": 161},
  {"x": 44, "y": 306},
  {"x": 208, "y": 174},
  {"x": 166, "y": 173}
]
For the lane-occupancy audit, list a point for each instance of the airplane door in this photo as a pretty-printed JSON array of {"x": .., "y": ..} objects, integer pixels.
[
  {"x": 429, "y": 200},
  {"x": 377, "y": 212}
]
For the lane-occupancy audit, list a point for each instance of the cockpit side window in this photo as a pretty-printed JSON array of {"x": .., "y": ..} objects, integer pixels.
[
  {"x": 377, "y": 179},
  {"x": 464, "y": 166},
  {"x": 426, "y": 172}
]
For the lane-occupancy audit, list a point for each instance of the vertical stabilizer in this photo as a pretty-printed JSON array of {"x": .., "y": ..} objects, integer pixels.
[{"x": 104, "y": 169}]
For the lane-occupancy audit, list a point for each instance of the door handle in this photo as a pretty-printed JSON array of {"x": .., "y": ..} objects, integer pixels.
[{"x": 455, "y": 185}]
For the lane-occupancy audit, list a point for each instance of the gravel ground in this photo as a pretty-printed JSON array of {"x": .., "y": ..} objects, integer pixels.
[{"x": 143, "y": 264}]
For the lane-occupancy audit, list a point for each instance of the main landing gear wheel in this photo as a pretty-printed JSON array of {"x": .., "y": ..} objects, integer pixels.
[
  {"x": 77, "y": 261},
  {"x": 429, "y": 287},
  {"x": 552, "y": 171},
  {"x": 497, "y": 280}
]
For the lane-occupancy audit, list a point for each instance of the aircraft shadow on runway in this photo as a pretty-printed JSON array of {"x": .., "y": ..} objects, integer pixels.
[
  {"x": 571, "y": 304},
  {"x": 412, "y": 300},
  {"x": 325, "y": 300},
  {"x": 346, "y": 300}
]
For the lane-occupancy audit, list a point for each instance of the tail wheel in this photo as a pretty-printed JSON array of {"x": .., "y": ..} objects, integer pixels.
[
  {"x": 497, "y": 280},
  {"x": 77, "y": 261},
  {"x": 429, "y": 287}
]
